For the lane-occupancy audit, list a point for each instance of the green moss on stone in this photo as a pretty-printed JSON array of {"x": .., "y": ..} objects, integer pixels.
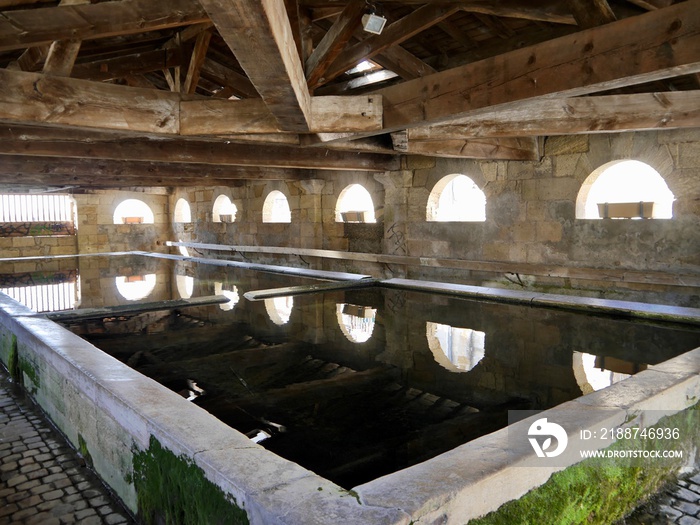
[
  {"x": 27, "y": 369},
  {"x": 172, "y": 489},
  {"x": 83, "y": 449},
  {"x": 600, "y": 491},
  {"x": 12, "y": 357}
]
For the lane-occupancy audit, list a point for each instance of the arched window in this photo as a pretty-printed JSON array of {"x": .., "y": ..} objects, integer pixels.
[
  {"x": 276, "y": 208},
  {"x": 279, "y": 309},
  {"x": 354, "y": 205},
  {"x": 135, "y": 287},
  {"x": 593, "y": 373},
  {"x": 456, "y": 349},
  {"x": 356, "y": 322},
  {"x": 627, "y": 189},
  {"x": 133, "y": 211},
  {"x": 224, "y": 210},
  {"x": 183, "y": 213},
  {"x": 456, "y": 198}
]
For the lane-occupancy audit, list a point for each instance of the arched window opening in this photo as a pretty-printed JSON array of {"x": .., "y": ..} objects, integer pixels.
[
  {"x": 594, "y": 373},
  {"x": 279, "y": 309},
  {"x": 185, "y": 285},
  {"x": 627, "y": 189},
  {"x": 456, "y": 198},
  {"x": 133, "y": 211},
  {"x": 276, "y": 208},
  {"x": 456, "y": 349},
  {"x": 231, "y": 294},
  {"x": 224, "y": 210},
  {"x": 356, "y": 322},
  {"x": 183, "y": 212},
  {"x": 354, "y": 205},
  {"x": 135, "y": 287}
]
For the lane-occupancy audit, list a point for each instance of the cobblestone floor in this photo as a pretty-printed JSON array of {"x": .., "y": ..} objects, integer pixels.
[
  {"x": 678, "y": 504},
  {"x": 42, "y": 480}
]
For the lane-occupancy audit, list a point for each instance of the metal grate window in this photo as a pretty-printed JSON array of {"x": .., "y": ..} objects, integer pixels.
[
  {"x": 36, "y": 208},
  {"x": 44, "y": 297}
]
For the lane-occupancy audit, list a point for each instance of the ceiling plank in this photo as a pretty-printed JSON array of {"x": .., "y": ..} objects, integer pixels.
[
  {"x": 260, "y": 36},
  {"x": 31, "y": 27},
  {"x": 577, "y": 115},
  {"x": 596, "y": 59},
  {"x": 333, "y": 43},
  {"x": 506, "y": 148},
  {"x": 400, "y": 31},
  {"x": 591, "y": 13},
  {"x": 36, "y": 98},
  {"x": 62, "y": 142},
  {"x": 90, "y": 172},
  {"x": 224, "y": 117}
]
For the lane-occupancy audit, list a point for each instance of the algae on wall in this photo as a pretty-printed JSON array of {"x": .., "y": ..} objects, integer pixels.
[
  {"x": 172, "y": 489},
  {"x": 600, "y": 490}
]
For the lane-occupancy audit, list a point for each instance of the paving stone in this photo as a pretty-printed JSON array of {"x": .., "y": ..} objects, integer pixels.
[
  {"x": 687, "y": 520},
  {"x": 686, "y": 495}
]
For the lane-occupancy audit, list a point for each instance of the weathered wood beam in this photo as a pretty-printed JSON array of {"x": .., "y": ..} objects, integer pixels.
[
  {"x": 196, "y": 60},
  {"x": 400, "y": 31},
  {"x": 333, "y": 42},
  {"x": 123, "y": 66},
  {"x": 506, "y": 148},
  {"x": 33, "y": 27},
  {"x": 59, "y": 142},
  {"x": 612, "y": 113},
  {"x": 31, "y": 97},
  {"x": 597, "y": 59},
  {"x": 61, "y": 57},
  {"x": 105, "y": 172},
  {"x": 591, "y": 13},
  {"x": 260, "y": 36},
  {"x": 224, "y": 117},
  {"x": 240, "y": 84}
]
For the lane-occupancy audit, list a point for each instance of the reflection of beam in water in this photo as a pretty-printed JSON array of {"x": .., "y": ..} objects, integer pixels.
[
  {"x": 109, "y": 311},
  {"x": 258, "y": 295}
]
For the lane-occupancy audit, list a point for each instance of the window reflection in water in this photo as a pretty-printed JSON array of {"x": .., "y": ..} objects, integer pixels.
[
  {"x": 356, "y": 322},
  {"x": 135, "y": 287},
  {"x": 232, "y": 295},
  {"x": 456, "y": 349},
  {"x": 597, "y": 372},
  {"x": 279, "y": 309}
]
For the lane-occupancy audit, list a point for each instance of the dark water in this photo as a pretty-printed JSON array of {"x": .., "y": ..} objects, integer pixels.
[{"x": 360, "y": 383}]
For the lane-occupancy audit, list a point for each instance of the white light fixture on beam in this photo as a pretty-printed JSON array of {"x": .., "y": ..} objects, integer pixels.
[{"x": 373, "y": 23}]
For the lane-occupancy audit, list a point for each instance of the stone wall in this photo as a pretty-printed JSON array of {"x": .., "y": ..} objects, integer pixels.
[{"x": 531, "y": 237}]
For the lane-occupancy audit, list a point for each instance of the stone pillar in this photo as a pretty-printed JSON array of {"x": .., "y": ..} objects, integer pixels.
[
  {"x": 397, "y": 185},
  {"x": 311, "y": 213}
]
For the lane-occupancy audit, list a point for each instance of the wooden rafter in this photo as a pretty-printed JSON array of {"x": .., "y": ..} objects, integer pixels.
[
  {"x": 57, "y": 142},
  {"x": 576, "y": 115},
  {"x": 32, "y": 27},
  {"x": 400, "y": 31},
  {"x": 259, "y": 34},
  {"x": 597, "y": 59},
  {"x": 591, "y": 13}
]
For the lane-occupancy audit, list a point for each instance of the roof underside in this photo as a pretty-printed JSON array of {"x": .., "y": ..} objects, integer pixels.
[{"x": 124, "y": 93}]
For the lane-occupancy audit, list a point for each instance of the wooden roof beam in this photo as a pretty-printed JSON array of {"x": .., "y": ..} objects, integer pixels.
[
  {"x": 591, "y": 13},
  {"x": 333, "y": 43},
  {"x": 576, "y": 115},
  {"x": 505, "y": 148},
  {"x": 260, "y": 36},
  {"x": 597, "y": 59},
  {"x": 32, "y": 27},
  {"x": 73, "y": 143}
]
